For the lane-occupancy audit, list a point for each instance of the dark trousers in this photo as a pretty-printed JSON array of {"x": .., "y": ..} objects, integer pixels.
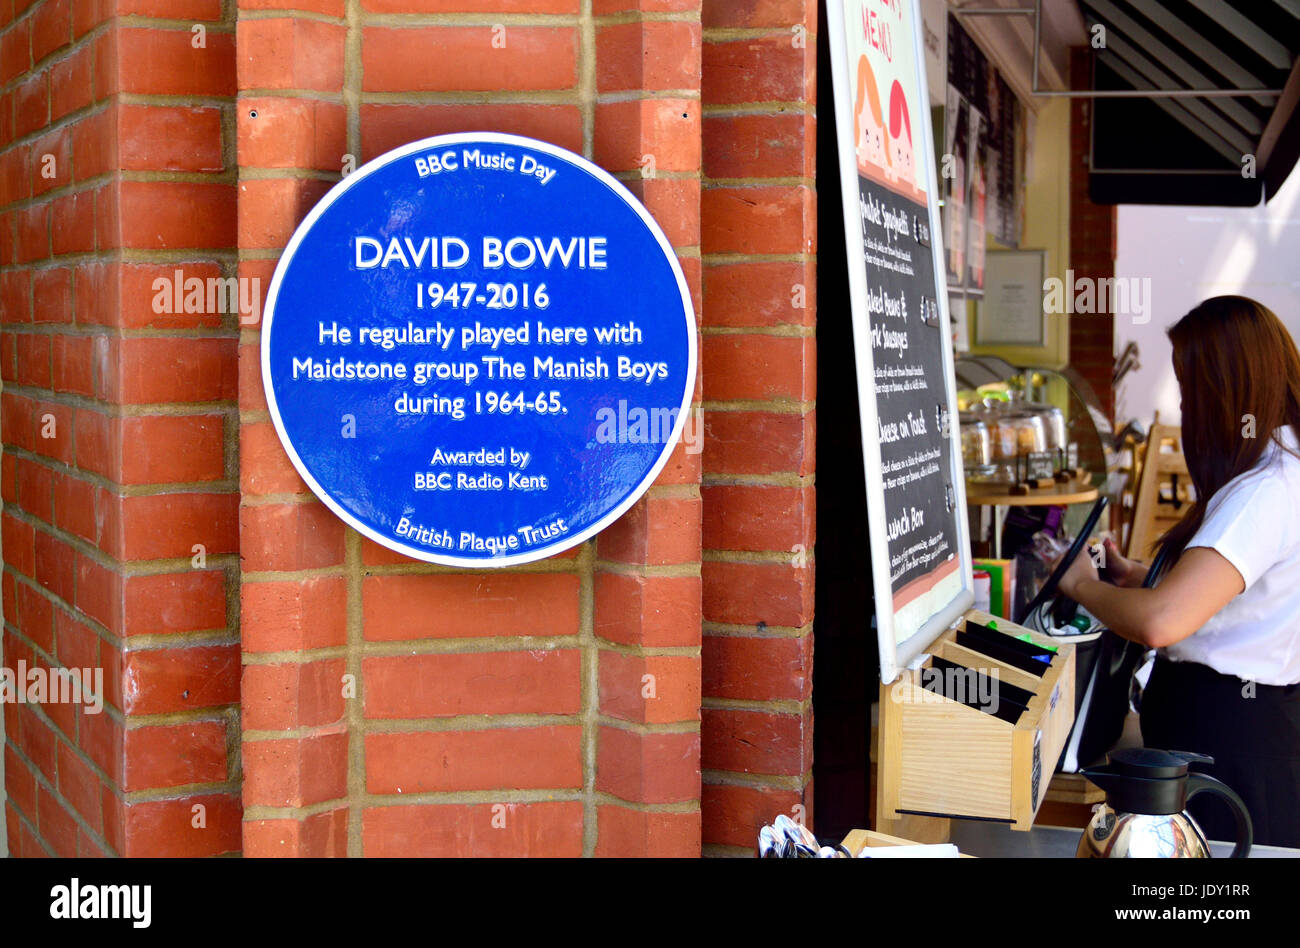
[{"x": 1255, "y": 743}]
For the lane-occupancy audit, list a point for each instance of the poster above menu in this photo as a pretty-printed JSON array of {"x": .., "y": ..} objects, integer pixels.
[{"x": 920, "y": 551}]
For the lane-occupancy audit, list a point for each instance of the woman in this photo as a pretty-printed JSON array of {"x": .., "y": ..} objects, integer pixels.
[{"x": 1225, "y": 615}]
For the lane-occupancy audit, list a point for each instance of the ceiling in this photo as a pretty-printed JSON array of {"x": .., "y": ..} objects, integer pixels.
[
  {"x": 1008, "y": 40},
  {"x": 1162, "y": 148}
]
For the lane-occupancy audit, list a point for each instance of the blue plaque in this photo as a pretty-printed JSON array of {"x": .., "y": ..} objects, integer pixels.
[{"x": 479, "y": 349}]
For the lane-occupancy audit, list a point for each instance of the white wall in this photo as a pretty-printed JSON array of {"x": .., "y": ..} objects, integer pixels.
[{"x": 1190, "y": 254}]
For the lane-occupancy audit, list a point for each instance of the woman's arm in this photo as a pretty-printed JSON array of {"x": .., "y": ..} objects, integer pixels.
[{"x": 1199, "y": 585}]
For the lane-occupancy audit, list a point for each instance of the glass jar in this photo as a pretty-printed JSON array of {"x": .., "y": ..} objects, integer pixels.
[
  {"x": 1017, "y": 433},
  {"x": 1053, "y": 418},
  {"x": 976, "y": 448},
  {"x": 1053, "y": 424}
]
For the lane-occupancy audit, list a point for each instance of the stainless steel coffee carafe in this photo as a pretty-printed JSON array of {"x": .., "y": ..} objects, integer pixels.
[{"x": 1143, "y": 816}]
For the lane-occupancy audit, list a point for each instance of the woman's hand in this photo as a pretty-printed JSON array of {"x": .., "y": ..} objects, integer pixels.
[
  {"x": 1119, "y": 569},
  {"x": 1081, "y": 569}
]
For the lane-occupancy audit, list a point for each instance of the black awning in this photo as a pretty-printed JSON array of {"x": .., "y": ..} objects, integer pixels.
[{"x": 1200, "y": 149}]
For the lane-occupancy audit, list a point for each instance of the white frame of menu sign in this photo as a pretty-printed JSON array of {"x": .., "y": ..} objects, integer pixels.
[{"x": 895, "y": 655}]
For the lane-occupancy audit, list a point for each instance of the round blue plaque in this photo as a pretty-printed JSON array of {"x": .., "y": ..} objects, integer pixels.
[{"x": 478, "y": 349}]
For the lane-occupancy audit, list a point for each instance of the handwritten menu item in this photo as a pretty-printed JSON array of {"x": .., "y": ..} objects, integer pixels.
[
  {"x": 915, "y": 499},
  {"x": 479, "y": 350}
]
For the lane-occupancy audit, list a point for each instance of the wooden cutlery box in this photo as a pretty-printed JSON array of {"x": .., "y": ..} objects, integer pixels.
[{"x": 974, "y": 728}]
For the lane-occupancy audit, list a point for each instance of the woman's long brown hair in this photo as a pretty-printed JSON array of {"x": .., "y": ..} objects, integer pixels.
[{"x": 1239, "y": 375}]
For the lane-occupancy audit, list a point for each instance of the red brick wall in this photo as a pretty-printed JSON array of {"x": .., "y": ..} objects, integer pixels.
[
  {"x": 118, "y": 469},
  {"x": 646, "y": 129},
  {"x": 495, "y": 712},
  {"x": 1093, "y": 233},
  {"x": 311, "y": 692},
  {"x": 759, "y": 364}
]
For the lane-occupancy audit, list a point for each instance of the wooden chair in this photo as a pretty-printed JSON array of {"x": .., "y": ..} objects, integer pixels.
[
  {"x": 1164, "y": 491},
  {"x": 1130, "y": 453}
]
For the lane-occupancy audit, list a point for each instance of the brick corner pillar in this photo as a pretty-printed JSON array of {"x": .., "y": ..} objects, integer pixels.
[
  {"x": 759, "y": 357},
  {"x": 1094, "y": 231},
  {"x": 646, "y": 131},
  {"x": 296, "y": 588},
  {"x": 118, "y": 471},
  {"x": 392, "y": 707}
]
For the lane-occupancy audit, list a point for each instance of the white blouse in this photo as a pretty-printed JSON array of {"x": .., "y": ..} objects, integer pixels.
[{"x": 1253, "y": 521}]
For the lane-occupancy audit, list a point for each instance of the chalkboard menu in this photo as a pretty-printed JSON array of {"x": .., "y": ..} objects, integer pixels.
[
  {"x": 915, "y": 494},
  {"x": 1003, "y": 215},
  {"x": 968, "y": 68},
  {"x": 956, "y": 164}
]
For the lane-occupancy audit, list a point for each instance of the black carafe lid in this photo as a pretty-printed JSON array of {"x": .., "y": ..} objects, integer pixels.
[
  {"x": 1144, "y": 779},
  {"x": 1152, "y": 763}
]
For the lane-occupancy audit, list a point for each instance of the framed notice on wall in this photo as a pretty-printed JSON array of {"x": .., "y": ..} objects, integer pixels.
[
  {"x": 1011, "y": 312},
  {"x": 920, "y": 551}
]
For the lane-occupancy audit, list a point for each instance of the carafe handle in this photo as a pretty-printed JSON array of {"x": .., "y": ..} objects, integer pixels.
[{"x": 1245, "y": 830}]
